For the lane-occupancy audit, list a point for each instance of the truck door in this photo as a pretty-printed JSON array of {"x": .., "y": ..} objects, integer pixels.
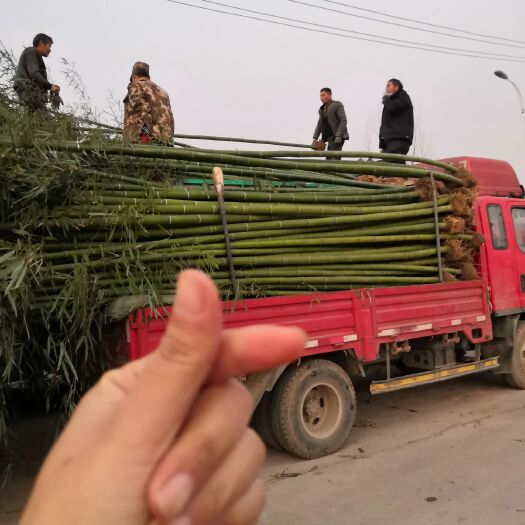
[
  {"x": 517, "y": 213},
  {"x": 503, "y": 281}
]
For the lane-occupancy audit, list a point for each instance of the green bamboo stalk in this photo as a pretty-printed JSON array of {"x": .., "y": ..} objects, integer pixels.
[
  {"x": 339, "y": 241},
  {"x": 279, "y": 281},
  {"x": 112, "y": 129},
  {"x": 219, "y": 158},
  {"x": 252, "y": 175},
  {"x": 197, "y": 194},
  {"x": 111, "y": 204},
  {"x": 320, "y": 288},
  {"x": 104, "y": 220},
  {"x": 204, "y": 208},
  {"x": 251, "y": 228},
  {"x": 340, "y": 154},
  {"x": 241, "y": 140},
  {"x": 356, "y": 154},
  {"x": 194, "y": 257},
  {"x": 298, "y": 233},
  {"x": 180, "y": 236},
  {"x": 329, "y": 258},
  {"x": 350, "y": 269},
  {"x": 371, "y": 230},
  {"x": 421, "y": 266},
  {"x": 218, "y": 248},
  {"x": 139, "y": 284},
  {"x": 168, "y": 220}
]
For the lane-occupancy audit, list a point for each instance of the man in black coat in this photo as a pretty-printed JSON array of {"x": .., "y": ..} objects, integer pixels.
[
  {"x": 397, "y": 122},
  {"x": 332, "y": 122},
  {"x": 31, "y": 83}
]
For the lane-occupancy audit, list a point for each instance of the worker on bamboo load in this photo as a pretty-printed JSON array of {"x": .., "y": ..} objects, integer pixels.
[
  {"x": 397, "y": 121},
  {"x": 331, "y": 125},
  {"x": 147, "y": 109},
  {"x": 30, "y": 82}
]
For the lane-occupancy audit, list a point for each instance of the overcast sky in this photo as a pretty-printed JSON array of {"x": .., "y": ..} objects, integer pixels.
[{"x": 239, "y": 77}]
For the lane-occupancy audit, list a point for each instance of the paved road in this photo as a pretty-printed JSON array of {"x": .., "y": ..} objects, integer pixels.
[{"x": 443, "y": 454}]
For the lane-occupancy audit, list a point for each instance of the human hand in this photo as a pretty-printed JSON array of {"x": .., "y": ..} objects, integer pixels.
[
  {"x": 338, "y": 141},
  {"x": 318, "y": 145},
  {"x": 56, "y": 101},
  {"x": 54, "y": 88},
  {"x": 164, "y": 439}
]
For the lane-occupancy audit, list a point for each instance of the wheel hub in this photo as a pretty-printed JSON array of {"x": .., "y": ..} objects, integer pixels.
[
  {"x": 313, "y": 404},
  {"x": 321, "y": 410}
]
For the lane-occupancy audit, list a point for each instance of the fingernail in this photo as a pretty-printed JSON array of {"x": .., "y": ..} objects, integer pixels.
[
  {"x": 175, "y": 495},
  {"x": 189, "y": 297},
  {"x": 181, "y": 521}
]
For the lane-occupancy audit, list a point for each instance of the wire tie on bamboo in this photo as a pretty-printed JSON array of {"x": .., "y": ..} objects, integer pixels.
[
  {"x": 436, "y": 225},
  {"x": 218, "y": 183}
]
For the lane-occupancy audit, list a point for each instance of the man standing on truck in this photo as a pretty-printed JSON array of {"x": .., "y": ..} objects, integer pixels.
[
  {"x": 147, "y": 109},
  {"x": 30, "y": 82},
  {"x": 331, "y": 125},
  {"x": 397, "y": 121}
]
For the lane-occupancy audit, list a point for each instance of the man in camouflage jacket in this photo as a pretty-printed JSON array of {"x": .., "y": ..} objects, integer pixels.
[{"x": 147, "y": 109}]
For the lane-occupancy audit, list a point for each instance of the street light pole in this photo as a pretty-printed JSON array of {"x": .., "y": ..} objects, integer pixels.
[{"x": 504, "y": 76}]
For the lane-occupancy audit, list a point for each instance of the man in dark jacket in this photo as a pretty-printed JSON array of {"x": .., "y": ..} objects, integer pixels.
[
  {"x": 397, "y": 122},
  {"x": 30, "y": 83},
  {"x": 332, "y": 122}
]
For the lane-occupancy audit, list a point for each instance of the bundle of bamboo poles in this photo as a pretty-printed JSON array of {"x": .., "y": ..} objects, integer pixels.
[{"x": 89, "y": 223}]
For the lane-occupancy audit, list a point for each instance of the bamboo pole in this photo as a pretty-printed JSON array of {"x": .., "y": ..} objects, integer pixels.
[
  {"x": 236, "y": 160},
  {"x": 219, "y": 190}
]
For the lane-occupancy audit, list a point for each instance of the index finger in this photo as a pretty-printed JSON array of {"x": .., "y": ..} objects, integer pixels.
[{"x": 255, "y": 348}]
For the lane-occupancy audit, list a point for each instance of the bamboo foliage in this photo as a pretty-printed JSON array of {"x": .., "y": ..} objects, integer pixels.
[{"x": 87, "y": 223}]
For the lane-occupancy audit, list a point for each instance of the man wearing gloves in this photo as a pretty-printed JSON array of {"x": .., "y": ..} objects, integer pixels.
[
  {"x": 397, "y": 122},
  {"x": 332, "y": 123},
  {"x": 31, "y": 83}
]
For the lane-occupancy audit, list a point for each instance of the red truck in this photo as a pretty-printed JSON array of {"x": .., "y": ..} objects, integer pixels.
[{"x": 429, "y": 333}]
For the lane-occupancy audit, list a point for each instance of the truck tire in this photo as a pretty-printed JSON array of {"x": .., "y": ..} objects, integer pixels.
[
  {"x": 262, "y": 422},
  {"x": 313, "y": 408},
  {"x": 516, "y": 378}
]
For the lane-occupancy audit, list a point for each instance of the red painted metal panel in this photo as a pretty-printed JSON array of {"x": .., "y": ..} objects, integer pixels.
[
  {"x": 494, "y": 177},
  {"x": 329, "y": 320},
  {"x": 421, "y": 311},
  {"x": 358, "y": 320},
  {"x": 501, "y": 264}
]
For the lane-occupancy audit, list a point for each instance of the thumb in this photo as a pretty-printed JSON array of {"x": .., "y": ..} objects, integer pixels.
[{"x": 168, "y": 383}]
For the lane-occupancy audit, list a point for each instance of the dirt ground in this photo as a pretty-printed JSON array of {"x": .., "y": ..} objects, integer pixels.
[{"x": 442, "y": 454}]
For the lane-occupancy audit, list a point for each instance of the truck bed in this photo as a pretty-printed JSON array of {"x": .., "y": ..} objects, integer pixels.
[{"x": 358, "y": 320}]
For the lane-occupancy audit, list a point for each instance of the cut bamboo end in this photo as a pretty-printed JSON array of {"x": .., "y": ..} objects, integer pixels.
[
  {"x": 460, "y": 207},
  {"x": 467, "y": 177},
  {"x": 425, "y": 189},
  {"x": 469, "y": 271},
  {"x": 455, "y": 225},
  {"x": 218, "y": 179}
]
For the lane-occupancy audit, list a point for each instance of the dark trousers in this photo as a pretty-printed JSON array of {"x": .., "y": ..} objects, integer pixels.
[
  {"x": 33, "y": 99},
  {"x": 398, "y": 146},
  {"x": 332, "y": 146}
]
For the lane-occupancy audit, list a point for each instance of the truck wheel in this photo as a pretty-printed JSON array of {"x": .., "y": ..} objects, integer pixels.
[
  {"x": 313, "y": 408},
  {"x": 262, "y": 422},
  {"x": 516, "y": 378}
]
